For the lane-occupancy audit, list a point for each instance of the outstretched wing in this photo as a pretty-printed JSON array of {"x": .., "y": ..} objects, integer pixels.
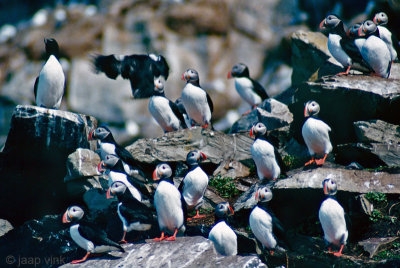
[{"x": 109, "y": 65}]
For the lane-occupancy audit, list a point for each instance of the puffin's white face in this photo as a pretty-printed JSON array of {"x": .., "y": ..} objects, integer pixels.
[
  {"x": 159, "y": 84},
  {"x": 195, "y": 156},
  {"x": 73, "y": 213},
  {"x": 99, "y": 133},
  {"x": 116, "y": 188},
  {"x": 258, "y": 129},
  {"x": 381, "y": 18},
  {"x": 311, "y": 108},
  {"x": 162, "y": 171},
  {"x": 238, "y": 70},
  {"x": 190, "y": 75},
  {"x": 263, "y": 194},
  {"x": 329, "y": 22},
  {"x": 353, "y": 31},
  {"x": 368, "y": 27},
  {"x": 330, "y": 186},
  {"x": 223, "y": 209}
]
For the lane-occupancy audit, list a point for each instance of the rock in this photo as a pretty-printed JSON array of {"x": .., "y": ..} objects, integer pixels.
[
  {"x": 213, "y": 198},
  {"x": 375, "y": 245},
  {"x": 185, "y": 251},
  {"x": 82, "y": 163},
  {"x": 377, "y": 131},
  {"x": 5, "y": 227},
  {"x": 247, "y": 200},
  {"x": 232, "y": 169}
]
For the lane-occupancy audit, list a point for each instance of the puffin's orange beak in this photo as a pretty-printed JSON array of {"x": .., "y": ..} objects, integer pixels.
[
  {"x": 155, "y": 175},
  {"x": 183, "y": 77},
  {"x": 203, "y": 156},
  {"x": 100, "y": 168},
  {"x": 229, "y": 76},
  {"x": 322, "y": 25},
  {"x": 230, "y": 208},
  {"x": 376, "y": 20},
  {"x": 252, "y": 132},
  {"x": 325, "y": 188},
  {"x": 361, "y": 31},
  {"x": 91, "y": 135},
  {"x": 65, "y": 218},
  {"x": 108, "y": 195},
  {"x": 306, "y": 112},
  {"x": 256, "y": 196}
]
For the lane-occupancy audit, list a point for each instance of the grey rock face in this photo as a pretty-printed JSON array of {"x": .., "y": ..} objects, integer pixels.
[
  {"x": 377, "y": 131},
  {"x": 82, "y": 163},
  {"x": 5, "y": 227},
  {"x": 376, "y": 244}
]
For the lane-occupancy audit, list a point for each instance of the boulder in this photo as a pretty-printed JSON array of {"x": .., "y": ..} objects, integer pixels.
[
  {"x": 232, "y": 169},
  {"x": 82, "y": 163},
  {"x": 5, "y": 227},
  {"x": 376, "y": 244},
  {"x": 377, "y": 131}
]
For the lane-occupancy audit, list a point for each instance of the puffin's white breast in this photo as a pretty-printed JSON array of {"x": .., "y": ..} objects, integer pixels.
[
  {"x": 224, "y": 239},
  {"x": 245, "y": 88},
  {"x": 336, "y": 50},
  {"x": 195, "y": 184},
  {"x": 194, "y": 100},
  {"x": 316, "y": 136},
  {"x": 331, "y": 216},
  {"x": 163, "y": 114},
  {"x": 376, "y": 53},
  {"x": 261, "y": 226},
  {"x": 263, "y": 155}
]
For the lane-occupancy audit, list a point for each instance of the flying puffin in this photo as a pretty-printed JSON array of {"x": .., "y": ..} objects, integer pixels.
[
  {"x": 133, "y": 214},
  {"x": 194, "y": 184},
  {"x": 265, "y": 155},
  {"x": 49, "y": 85},
  {"x": 315, "y": 134},
  {"x": 116, "y": 173},
  {"x": 87, "y": 234},
  {"x": 263, "y": 223},
  {"x": 196, "y": 100},
  {"x": 222, "y": 236},
  {"x": 250, "y": 90},
  {"x": 332, "y": 218},
  {"x": 164, "y": 111},
  {"x": 141, "y": 70},
  {"x": 381, "y": 19},
  {"x": 167, "y": 200},
  {"x": 341, "y": 47},
  {"x": 375, "y": 51}
]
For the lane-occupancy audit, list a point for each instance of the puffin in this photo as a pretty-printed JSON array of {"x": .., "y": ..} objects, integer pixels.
[
  {"x": 222, "y": 236},
  {"x": 375, "y": 51},
  {"x": 194, "y": 184},
  {"x": 341, "y": 47},
  {"x": 140, "y": 69},
  {"x": 265, "y": 155},
  {"x": 87, "y": 234},
  {"x": 168, "y": 204},
  {"x": 108, "y": 146},
  {"x": 164, "y": 111},
  {"x": 116, "y": 173},
  {"x": 381, "y": 19},
  {"x": 133, "y": 214},
  {"x": 265, "y": 226},
  {"x": 249, "y": 89},
  {"x": 315, "y": 134},
  {"x": 49, "y": 85},
  {"x": 332, "y": 218},
  {"x": 196, "y": 100}
]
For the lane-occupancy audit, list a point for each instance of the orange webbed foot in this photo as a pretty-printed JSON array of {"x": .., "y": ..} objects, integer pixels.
[
  {"x": 310, "y": 162},
  {"x": 161, "y": 238},
  {"x": 123, "y": 241}
]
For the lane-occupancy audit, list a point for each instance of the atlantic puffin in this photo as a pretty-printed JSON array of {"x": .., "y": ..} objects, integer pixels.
[
  {"x": 196, "y": 100},
  {"x": 265, "y": 155},
  {"x": 265, "y": 226},
  {"x": 141, "y": 70},
  {"x": 315, "y": 134},
  {"x": 167, "y": 200},
  {"x": 332, "y": 218},
  {"x": 49, "y": 85},
  {"x": 340, "y": 45},
  {"x": 164, "y": 111},
  {"x": 194, "y": 184},
  {"x": 381, "y": 19},
  {"x": 249, "y": 89},
  {"x": 88, "y": 235},
  {"x": 222, "y": 236},
  {"x": 133, "y": 214}
]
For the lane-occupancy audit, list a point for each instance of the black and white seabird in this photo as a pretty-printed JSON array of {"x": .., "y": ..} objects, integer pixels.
[
  {"x": 49, "y": 85},
  {"x": 194, "y": 184},
  {"x": 197, "y": 102},
  {"x": 375, "y": 51},
  {"x": 250, "y": 90},
  {"x": 332, "y": 218},
  {"x": 265, "y": 226},
  {"x": 164, "y": 111},
  {"x": 381, "y": 19},
  {"x": 167, "y": 200},
  {"x": 133, "y": 214},
  {"x": 315, "y": 134},
  {"x": 88, "y": 235},
  {"x": 265, "y": 155},
  {"x": 141, "y": 70},
  {"x": 222, "y": 236}
]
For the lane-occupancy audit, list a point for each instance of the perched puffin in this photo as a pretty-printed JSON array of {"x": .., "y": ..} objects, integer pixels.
[
  {"x": 263, "y": 223},
  {"x": 196, "y": 100},
  {"x": 315, "y": 134},
  {"x": 332, "y": 218},
  {"x": 375, "y": 51},
  {"x": 381, "y": 19},
  {"x": 87, "y": 234},
  {"x": 341, "y": 47},
  {"x": 167, "y": 200},
  {"x": 49, "y": 85},
  {"x": 250, "y": 90},
  {"x": 164, "y": 111},
  {"x": 141, "y": 70},
  {"x": 222, "y": 236},
  {"x": 133, "y": 214},
  {"x": 194, "y": 184},
  {"x": 265, "y": 155},
  {"x": 116, "y": 173},
  {"x": 352, "y": 33}
]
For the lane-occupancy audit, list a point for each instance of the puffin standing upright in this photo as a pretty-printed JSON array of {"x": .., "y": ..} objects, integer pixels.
[
  {"x": 167, "y": 200},
  {"x": 381, "y": 19},
  {"x": 196, "y": 100},
  {"x": 164, "y": 111},
  {"x": 87, "y": 234},
  {"x": 332, "y": 218},
  {"x": 263, "y": 223},
  {"x": 250, "y": 90},
  {"x": 222, "y": 236},
  {"x": 315, "y": 134},
  {"x": 194, "y": 184},
  {"x": 49, "y": 85}
]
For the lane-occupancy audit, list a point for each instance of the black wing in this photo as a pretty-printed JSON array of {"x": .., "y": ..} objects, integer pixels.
[
  {"x": 36, "y": 86},
  {"x": 210, "y": 103},
  {"x": 134, "y": 214},
  {"x": 108, "y": 65},
  {"x": 259, "y": 89},
  {"x": 281, "y": 164},
  {"x": 96, "y": 235},
  {"x": 178, "y": 114},
  {"x": 352, "y": 51},
  {"x": 278, "y": 230}
]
